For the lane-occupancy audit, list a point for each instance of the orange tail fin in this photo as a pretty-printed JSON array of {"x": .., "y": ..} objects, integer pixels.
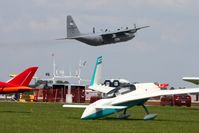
[{"x": 24, "y": 78}]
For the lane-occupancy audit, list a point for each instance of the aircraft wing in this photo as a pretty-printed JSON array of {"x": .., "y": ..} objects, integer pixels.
[
  {"x": 194, "y": 80},
  {"x": 97, "y": 107},
  {"x": 121, "y": 32},
  {"x": 107, "y": 34},
  {"x": 110, "y": 35},
  {"x": 103, "y": 34},
  {"x": 101, "y": 88},
  {"x": 145, "y": 95},
  {"x": 74, "y": 106},
  {"x": 111, "y": 107}
]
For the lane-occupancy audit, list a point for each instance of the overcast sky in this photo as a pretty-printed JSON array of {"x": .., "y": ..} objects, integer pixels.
[{"x": 165, "y": 52}]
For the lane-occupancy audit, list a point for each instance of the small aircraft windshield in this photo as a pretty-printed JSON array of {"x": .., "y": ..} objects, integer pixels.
[{"x": 120, "y": 90}]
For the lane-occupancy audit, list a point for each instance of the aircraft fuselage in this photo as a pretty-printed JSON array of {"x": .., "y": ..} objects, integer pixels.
[
  {"x": 7, "y": 90},
  {"x": 92, "y": 113},
  {"x": 103, "y": 40}
]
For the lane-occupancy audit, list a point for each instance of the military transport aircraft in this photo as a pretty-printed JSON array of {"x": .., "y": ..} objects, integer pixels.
[
  {"x": 123, "y": 97},
  {"x": 18, "y": 83},
  {"x": 98, "y": 39}
]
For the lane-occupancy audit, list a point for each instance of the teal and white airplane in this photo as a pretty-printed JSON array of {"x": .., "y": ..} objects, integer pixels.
[{"x": 121, "y": 98}]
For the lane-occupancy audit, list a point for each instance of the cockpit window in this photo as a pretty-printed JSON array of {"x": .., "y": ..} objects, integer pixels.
[{"x": 120, "y": 90}]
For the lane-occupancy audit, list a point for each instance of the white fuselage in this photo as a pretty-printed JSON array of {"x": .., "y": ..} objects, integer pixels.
[{"x": 96, "y": 110}]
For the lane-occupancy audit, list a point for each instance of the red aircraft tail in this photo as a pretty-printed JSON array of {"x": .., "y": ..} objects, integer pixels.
[{"x": 24, "y": 78}]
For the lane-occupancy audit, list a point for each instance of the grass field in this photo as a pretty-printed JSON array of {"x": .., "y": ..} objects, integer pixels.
[{"x": 52, "y": 118}]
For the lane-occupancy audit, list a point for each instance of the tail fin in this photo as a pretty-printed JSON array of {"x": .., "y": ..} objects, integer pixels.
[
  {"x": 72, "y": 29},
  {"x": 97, "y": 72},
  {"x": 24, "y": 78}
]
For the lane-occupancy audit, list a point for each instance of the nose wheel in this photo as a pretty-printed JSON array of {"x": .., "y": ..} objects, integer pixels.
[{"x": 148, "y": 116}]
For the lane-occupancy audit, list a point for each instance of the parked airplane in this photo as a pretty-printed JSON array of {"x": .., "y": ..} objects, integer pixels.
[
  {"x": 123, "y": 97},
  {"x": 194, "y": 80},
  {"x": 18, "y": 83},
  {"x": 98, "y": 39}
]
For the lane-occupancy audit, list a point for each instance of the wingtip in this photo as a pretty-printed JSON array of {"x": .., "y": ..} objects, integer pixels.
[
  {"x": 61, "y": 38},
  {"x": 142, "y": 27}
]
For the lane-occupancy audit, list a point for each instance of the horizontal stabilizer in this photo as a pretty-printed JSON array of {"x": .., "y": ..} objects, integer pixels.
[
  {"x": 62, "y": 38},
  {"x": 74, "y": 106}
]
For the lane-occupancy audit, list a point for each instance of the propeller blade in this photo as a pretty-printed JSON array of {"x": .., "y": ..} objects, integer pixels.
[
  {"x": 135, "y": 26},
  {"x": 142, "y": 27}
]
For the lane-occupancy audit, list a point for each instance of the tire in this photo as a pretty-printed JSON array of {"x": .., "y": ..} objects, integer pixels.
[
  {"x": 108, "y": 83},
  {"x": 116, "y": 83}
]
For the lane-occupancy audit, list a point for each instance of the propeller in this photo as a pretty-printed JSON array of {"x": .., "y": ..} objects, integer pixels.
[
  {"x": 93, "y": 30},
  {"x": 135, "y": 26}
]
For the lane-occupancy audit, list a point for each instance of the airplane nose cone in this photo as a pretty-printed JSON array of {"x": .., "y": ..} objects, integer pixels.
[
  {"x": 88, "y": 112},
  {"x": 83, "y": 117}
]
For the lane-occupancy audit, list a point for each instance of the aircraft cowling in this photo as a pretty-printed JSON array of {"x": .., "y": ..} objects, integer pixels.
[
  {"x": 117, "y": 39},
  {"x": 124, "y": 38}
]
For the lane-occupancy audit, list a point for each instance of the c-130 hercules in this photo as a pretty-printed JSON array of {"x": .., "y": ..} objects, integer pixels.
[{"x": 98, "y": 39}]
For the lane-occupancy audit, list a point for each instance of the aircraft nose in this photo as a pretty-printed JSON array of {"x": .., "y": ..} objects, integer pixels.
[
  {"x": 89, "y": 113},
  {"x": 84, "y": 115}
]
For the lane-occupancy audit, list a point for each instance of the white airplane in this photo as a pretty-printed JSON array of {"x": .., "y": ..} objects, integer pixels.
[
  {"x": 121, "y": 98},
  {"x": 98, "y": 39},
  {"x": 194, "y": 80}
]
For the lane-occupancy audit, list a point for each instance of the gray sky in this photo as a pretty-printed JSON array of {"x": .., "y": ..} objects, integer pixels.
[{"x": 165, "y": 52}]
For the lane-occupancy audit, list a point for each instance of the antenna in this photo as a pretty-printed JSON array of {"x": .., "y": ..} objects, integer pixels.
[
  {"x": 81, "y": 65},
  {"x": 54, "y": 66},
  {"x": 60, "y": 73}
]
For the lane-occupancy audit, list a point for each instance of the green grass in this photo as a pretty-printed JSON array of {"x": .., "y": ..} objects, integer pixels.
[{"x": 52, "y": 118}]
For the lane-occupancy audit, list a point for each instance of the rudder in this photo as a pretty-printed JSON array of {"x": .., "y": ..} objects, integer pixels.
[
  {"x": 96, "y": 77},
  {"x": 72, "y": 29},
  {"x": 24, "y": 78}
]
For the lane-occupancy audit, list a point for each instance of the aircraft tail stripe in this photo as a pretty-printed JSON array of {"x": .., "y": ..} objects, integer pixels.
[{"x": 97, "y": 72}]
